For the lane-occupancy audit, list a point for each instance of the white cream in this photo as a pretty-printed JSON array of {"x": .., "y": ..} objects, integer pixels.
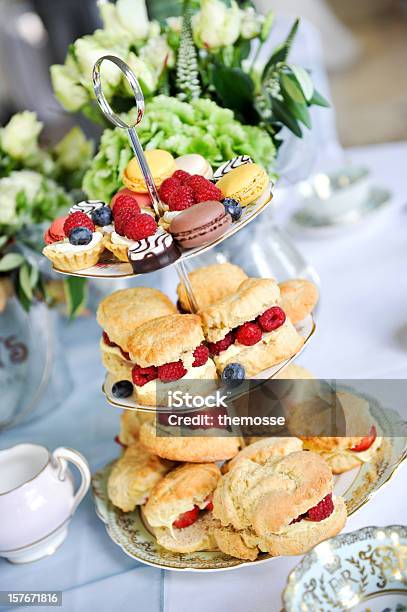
[
  {"x": 236, "y": 348},
  {"x": 66, "y": 247},
  {"x": 117, "y": 239},
  {"x": 363, "y": 456}
]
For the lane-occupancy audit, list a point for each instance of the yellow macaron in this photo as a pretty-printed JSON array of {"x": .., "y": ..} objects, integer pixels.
[
  {"x": 247, "y": 184},
  {"x": 162, "y": 166}
]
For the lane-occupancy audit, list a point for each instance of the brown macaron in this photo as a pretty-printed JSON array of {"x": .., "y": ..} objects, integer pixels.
[{"x": 200, "y": 224}]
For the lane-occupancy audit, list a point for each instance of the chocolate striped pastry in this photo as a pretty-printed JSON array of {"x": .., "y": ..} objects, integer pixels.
[
  {"x": 240, "y": 160},
  {"x": 153, "y": 253}
]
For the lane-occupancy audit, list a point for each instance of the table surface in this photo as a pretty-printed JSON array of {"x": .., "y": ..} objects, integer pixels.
[{"x": 362, "y": 326}]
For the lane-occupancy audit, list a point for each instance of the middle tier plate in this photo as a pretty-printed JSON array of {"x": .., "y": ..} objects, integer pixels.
[
  {"x": 306, "y": 329},
  {"x": 110, "y": 267}
]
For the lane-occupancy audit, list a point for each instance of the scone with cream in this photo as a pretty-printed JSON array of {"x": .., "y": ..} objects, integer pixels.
[
  {"x": 352, "y": 416},
  {"x": 133, "y": 477},
  {"x": 119, "y": 314},
  {"x": 250, "y": 327},
  {"x": 179, "y": 509},
  {"x": 211, "y": 284},
  {"x": 168, "y": 353},
  {"x": 298, "y": 298},
  {"x": 283, "y": 507},
  {"x": 192, "y": 449}
]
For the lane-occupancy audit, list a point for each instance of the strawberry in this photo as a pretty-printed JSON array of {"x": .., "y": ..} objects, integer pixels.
[
  {"x": 365, "y": 442},
  {"x": 186, "y": 518}
]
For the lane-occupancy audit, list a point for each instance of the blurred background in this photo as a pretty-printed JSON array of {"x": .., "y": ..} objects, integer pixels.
[{"x": 364, "y": 44}]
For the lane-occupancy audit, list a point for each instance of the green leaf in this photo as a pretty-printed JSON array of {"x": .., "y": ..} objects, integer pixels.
[
  {"x": 291, "y": 88},
  {"x": 300, "y": 112},
  {"x": 235, "y": 88},
  {"x": 23, "y": 299},
  {"x": 282, "y": 114},
  {"x": 267, "y": 25},
  {"x": 11, "y": 261},
  {"x": 34, "y": 276},
  {"x": 3, "y": 240},
  {"x": 319, "y": 100},
  {"x": 24, "y": 281},
  {"x": 304, "y": 81},
  {"x": 280, "y": 54},
  {"x": 76, "y": 294}
]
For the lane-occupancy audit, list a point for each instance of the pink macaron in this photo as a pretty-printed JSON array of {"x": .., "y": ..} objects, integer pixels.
[
  {"x": 142, "y": 199},
  {"x": 55, "y": 232},
  {"x": 200, "y": 224}
]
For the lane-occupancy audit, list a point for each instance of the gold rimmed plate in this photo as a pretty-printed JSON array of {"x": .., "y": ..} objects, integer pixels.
[
  {"x": 110, "y": 267},
  {"x": 306, "y": 328}
]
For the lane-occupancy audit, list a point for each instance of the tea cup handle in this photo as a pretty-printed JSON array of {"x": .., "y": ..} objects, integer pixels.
[{"x": 62, "y": 455}]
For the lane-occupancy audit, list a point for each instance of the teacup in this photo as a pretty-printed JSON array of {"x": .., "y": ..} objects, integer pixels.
[{"x": 37, "y": 499}]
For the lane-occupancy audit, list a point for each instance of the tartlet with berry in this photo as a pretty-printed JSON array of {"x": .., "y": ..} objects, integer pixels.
[
  {"x": 119, "y": 314},
  {"x": 283, "y": 507},
  {"x": 250, "y": 328},
  {"x": 84, "y": 240},
  {"x": 179, "y": 509},
  {"x": 169, "y": 352}
]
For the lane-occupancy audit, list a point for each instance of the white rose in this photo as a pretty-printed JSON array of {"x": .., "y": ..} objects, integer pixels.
[
  {"x": 144, "y": 72},
  {"x": 10, "y": 187},
  {"x": 19, "y": 138},
  {"x": 174, "y": 24},
  {"x": 216, "y": 25},
  {"x": 158, "y": 53},
  {"x": 252, "y": 23},
  {"x": 87, "y": 51},
  {"x": 125, "y": 17},
  {"x": 67, "y": 87}
]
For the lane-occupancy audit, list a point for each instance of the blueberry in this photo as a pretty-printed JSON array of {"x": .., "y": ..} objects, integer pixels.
[
  {"x": 122, "y": 388},
  {"x": 80, "y": 236},
  {"x": 102, "y": 216},
  {"x": 233, "y": 374},
  {"x": 233, "y": 208}
]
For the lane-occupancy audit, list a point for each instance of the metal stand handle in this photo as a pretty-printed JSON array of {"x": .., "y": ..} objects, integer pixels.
[{"x": 130, "y": 129}]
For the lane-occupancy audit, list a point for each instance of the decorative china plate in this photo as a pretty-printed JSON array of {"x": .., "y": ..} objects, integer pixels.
[
  {"x": 110, "y": 267},
  {"x": 364, "y": 570},
  {"x": 356, "y": 487},
  {"x": 306, "y": 328}
]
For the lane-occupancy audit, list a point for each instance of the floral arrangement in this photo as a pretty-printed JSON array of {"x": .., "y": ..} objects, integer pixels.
[
  {"x": 210, "y": 53},
  {"x": 35, "y": 186}
]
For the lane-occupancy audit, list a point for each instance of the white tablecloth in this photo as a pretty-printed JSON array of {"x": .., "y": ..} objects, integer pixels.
[{"x": 362, "y": 332}]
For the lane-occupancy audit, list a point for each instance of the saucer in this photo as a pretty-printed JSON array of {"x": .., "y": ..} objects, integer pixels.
[
  {"x": 304, "y": 222},
  {"x": 362, "y": 570}
]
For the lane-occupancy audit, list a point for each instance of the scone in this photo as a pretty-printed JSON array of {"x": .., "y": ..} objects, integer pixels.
[
  {"x": 298, "y": 298},
  {"x": 353, "y": 416},
  {"x": 168, "y": 353},
  {"x": 192, "y": 449},
  {"x": 118, "y": 315},
  {"x": 133, "y": 477},
  {"x": 130, "y": 423},
  {"x": 250, "y": 327},
  {"x": 179, "y": 508},
  {"x": 264, "y": 448},
  {"x": 283, "y": 507},
  {"x": 211, "y": 284}
]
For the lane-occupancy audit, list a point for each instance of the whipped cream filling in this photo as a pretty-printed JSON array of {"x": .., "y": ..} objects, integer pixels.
[
  {"x": 113, "y": 350},
  {"x": 121, "y": 240},
  {"x": 165, "y": 520},
  {"x": 236, "y": 347},
  {"x": 66, "y": 247},
  {"x": 192, "y": 373},
  {"x": 363, "y": 456}
]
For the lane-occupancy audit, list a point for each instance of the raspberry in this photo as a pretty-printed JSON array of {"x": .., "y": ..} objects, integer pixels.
[
  {"x": 322, "y": 510},
  {"x": 209, "y": 505},
  {"x": 196, "y": 180},
  {"x": 141, "y": 376},
  {"x": 78, "y": 219},
  {"x": 168, "y": 187},
  {"x": 125, "y": 215},
  {"x": 107, "y": 340},
  {"x": 248, "y": 334},
  {"x": 186, "y": 518},
  {"x": 139, "y": 227},
  {"x": 181, "y": 199},
  {"x": 171, "y": 371},
  {"x": 203, "y": 193},
  {"x": 181, "y": 176},
  {"x": 272, "y": 319},
  {"x": 125, "y": 201},
  {"x": 201, "y": 354},
  {"x": 215, "y": 348}
]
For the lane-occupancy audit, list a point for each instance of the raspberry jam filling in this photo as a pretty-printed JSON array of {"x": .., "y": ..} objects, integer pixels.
[
  {"x": 251, "y": 332},
  {"x": 107, "y": 341},
  {"x": 365, "y": 442},
  {"x": 319, "y": 512},
  {"x": 191, "y": 516},
  {"x": 169, "y": 372}
]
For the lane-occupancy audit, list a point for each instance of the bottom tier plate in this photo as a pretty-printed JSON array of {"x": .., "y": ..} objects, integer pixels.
[{"x": 129, "y": 532}]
